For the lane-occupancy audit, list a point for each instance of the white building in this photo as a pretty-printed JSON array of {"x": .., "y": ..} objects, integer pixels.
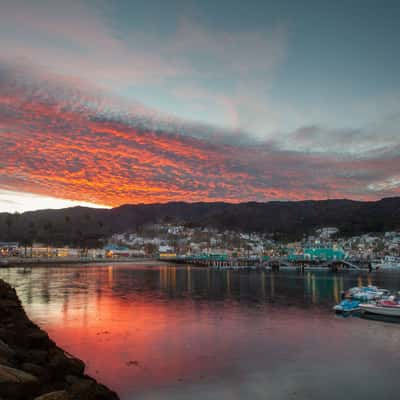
[{"x": 327, "y": 232}]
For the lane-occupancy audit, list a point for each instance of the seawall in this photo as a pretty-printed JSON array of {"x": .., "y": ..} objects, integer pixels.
[{"x": 32, "y": 366}]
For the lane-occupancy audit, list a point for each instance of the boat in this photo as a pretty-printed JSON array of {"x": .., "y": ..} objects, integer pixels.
[
  {"x": 388, "y": 262},
  {"x": 347, "y": 306},
  {"x": 366, "y": 293},
  {"x": 389, "y": 308}
]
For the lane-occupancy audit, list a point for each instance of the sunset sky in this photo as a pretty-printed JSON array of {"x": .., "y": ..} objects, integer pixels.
[{"x": 105, "y": 103}]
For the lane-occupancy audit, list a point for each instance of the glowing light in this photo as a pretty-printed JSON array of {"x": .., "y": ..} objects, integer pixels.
[{"x": 11, "y": 201}]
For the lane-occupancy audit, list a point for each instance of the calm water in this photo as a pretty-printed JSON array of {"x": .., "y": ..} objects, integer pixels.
[{"x": 165, "y": 332}]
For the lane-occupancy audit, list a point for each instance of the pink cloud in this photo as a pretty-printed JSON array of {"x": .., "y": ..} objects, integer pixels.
[{"x": 60, "y": 140}]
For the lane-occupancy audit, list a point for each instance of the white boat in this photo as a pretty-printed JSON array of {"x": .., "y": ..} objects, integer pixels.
[
  {"x": 385, "y": 307},
  {"x": 366, "y": 293},
  {"x": 388, "y": 262}
]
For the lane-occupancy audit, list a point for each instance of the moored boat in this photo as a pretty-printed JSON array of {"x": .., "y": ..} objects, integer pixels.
[
  {"x": 366, "y": 293},
  {"x": 388, "y": 262},
  {"x": 385, "y": 307},
  {"x": 347, "y": 306}
]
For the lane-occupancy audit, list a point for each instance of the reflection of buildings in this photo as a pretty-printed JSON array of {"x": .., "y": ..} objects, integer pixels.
[
  {"x": 272, "y": 283},
  {"x": 168, "y": 278},
  {"x": 337, "y": 288},
  {"x": 261, "y": 286},
  {"x": 314, "y": 294},
  {"x": 110, "y": 275},
  {"x": 57, "y": 286},
  {"x": 323, "y": 286},
  {"x": 189, "y": 279}
]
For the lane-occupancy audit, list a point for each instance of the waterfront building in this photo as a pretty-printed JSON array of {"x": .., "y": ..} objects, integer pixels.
[
  {"x": 325, "y": 254},
  {"x": 115, "y": 251},
  {"x": 318, "y": 254},
  {"x": 327, "y": 232},
  {"x": 8, "y": 248}
]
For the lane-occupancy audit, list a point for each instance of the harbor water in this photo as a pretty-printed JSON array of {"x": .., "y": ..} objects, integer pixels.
[{"x": 178, "y": 332}]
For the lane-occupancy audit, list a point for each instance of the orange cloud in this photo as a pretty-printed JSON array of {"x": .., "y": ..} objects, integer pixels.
[{"x": 60, "y": 143}]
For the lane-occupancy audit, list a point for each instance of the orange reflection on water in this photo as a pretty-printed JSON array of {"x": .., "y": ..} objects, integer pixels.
[
  {"x": 152, "y": 332},
  {"x": 124, "y": 341}
]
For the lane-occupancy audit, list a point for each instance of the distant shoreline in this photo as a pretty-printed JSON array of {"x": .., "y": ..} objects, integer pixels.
[{"x": 16, "y": 261}]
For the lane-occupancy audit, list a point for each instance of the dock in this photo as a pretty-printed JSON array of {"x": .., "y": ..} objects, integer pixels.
[{"x": 253, "y": 263}]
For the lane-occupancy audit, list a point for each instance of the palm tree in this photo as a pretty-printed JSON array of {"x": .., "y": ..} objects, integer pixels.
[
  {"x": 9, "y": 222},
  {"x": 48, "y": 227},
  {"x": 68, "y": 222},
  {"x": 32, "y": 233}
]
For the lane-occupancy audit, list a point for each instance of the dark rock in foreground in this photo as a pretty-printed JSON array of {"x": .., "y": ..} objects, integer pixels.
[{"x": 32, "y": 366}]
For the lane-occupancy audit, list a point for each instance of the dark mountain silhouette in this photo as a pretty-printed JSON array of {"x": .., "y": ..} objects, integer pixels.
[{"x": 287, "y": 220}]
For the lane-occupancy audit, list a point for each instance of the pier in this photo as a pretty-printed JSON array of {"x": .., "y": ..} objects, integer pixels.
[{"x": 223, "y": 262}]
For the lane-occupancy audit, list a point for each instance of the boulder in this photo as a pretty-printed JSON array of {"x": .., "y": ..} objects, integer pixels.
[
  {"x": 89, "y": 389},
  {"x": 17, "y": 384},
  {"x": 62, "y": 364},
  {"x": 36, "y": 370},
  {"x": 8, "y": 336},
  {"x": 71, "y": 379},
  {"x": 103, "y": 393},
  {"x": 83, "y": 389},
  {"x": 59, "y": 395},
  {"x": 6, "y": 362},
  {"x": 33, "y": 356},
  {"x": 38, "y": 340},
  {"x": 5, "y": 350}
]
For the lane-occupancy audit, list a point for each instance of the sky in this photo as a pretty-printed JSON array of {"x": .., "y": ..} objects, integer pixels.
[{"x": 107, "y": 103}]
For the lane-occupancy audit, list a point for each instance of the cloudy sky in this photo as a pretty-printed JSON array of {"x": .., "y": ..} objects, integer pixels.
[{"x": 128, "y": 101}]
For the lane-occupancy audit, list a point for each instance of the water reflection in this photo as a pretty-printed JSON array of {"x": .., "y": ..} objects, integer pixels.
[{"x": 162, "y": 332}]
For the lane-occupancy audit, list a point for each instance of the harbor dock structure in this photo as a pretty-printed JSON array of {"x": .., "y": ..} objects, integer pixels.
[
  {"x": 223, "y": 262},
  {"x": 318, "y": 254}
]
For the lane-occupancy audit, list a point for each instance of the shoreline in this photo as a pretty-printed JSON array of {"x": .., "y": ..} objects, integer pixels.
[
  {"x": 16, "y": 261},
  {"x": 32, "y": 366}
]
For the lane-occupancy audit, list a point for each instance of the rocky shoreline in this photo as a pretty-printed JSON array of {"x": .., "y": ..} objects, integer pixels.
[{"x": 32, "y": 366}]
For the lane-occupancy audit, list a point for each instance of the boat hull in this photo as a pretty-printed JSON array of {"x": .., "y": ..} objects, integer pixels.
[
  {"x": 347, "y": 306},
  {"x": 379, "y": 310}
]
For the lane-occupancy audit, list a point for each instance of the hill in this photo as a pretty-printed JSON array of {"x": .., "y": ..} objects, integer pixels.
[{"x": 288, "y": 220}]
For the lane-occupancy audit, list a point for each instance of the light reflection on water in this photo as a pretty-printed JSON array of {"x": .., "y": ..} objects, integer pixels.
[{"x": 166, "y": 332}]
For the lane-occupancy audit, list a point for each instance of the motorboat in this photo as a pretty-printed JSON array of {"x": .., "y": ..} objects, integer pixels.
[
  {"x": 388, "y": 262},
  {"x": 384, "y": 307},
  {"x": 347, "y": 306},
  {"x": 366, "y": 293}
]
